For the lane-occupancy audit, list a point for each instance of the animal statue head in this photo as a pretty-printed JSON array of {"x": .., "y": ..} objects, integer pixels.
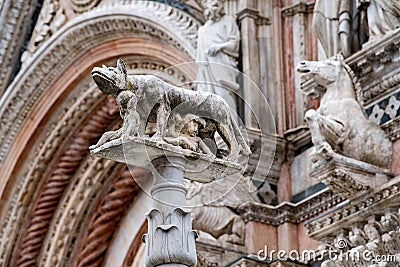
[
  {"x": 322, "y": 72},
  {"x": 111, "y": 80},
  {"x": 213, "y": 9},
  {"x": 340, "y": 124}
]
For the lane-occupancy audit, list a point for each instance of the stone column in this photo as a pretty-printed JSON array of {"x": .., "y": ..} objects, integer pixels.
[
  {"x": 170, "y": 240},
  {"x": 299, "y": 13},
  {"x": 247, "y": 16}
]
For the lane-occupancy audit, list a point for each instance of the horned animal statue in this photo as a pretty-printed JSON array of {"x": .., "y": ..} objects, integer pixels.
[{"x": 340, "y": 123}]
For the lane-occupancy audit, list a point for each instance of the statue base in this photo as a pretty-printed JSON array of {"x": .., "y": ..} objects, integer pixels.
[
  {"x": 141, "y": 151},
  {"x": 170, "y": 240},
  {"x": 346, "y": 176}
]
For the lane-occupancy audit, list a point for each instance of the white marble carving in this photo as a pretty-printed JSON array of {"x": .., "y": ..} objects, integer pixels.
[
  {"x": 332, "y": 23},
  {"x": 345, "y": 25},
  {"x": 383, "y": 16},
  {"x": 214, "y": 206},
  {"x": 217, "y": 53},
  {"x": 185, "y": 133},
  {"x": 51, "y": 18},
  {"x": 157, "y": 100},
  {"x": 340, "y": 124},
  {"x": 368, "y": 244},
  {"x": 174, "y": 152}
]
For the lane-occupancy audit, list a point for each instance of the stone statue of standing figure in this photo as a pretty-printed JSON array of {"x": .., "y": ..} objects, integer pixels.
[
  {"x": 332, "y": 23},
  {"x": 383, "y": 16},
  {"x": 217, "y": 53},
  {"x": 342, "y": 26}
]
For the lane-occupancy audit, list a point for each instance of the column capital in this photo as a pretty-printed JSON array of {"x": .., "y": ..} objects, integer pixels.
[
  {"x": 253, "y": 14},
  {"x": 299, "y": 8}
]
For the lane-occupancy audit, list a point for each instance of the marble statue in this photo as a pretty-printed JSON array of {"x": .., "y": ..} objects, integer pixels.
[
  {"x": 127, "y": 105},
  {"x": 156, "y": 100},
  {"x": 383, "y": 16},
  {"x": 214, "y": 206},
  {"x": 217, "y": 53},
  {"x": 332, "y": 23},
  {"x": 344, "y": 25},
  {"x": 340, "y": 123},
  {"x": 187, "y": 133},
  {"x": 174, "y": 152}
]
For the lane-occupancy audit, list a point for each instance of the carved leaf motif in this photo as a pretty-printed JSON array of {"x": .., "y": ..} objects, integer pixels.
[{"x": 51, "y": 18}]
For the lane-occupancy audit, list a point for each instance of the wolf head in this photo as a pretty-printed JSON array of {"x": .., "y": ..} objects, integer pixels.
[{"x": 111, "y": 80}]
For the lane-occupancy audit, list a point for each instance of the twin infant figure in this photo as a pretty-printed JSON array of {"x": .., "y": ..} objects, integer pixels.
[{"x": 185, "y": 128}]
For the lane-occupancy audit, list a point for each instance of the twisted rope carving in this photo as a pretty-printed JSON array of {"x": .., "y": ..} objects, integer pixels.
[
  {"x": 53, "y": 188},
  {"x": 135, "y": 246},
  {"x": 106, "y": 219}
]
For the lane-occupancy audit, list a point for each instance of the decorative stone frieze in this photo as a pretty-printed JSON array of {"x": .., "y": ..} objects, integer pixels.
[
  {"x": 211, "y": 254},
  {"x": 119, "y": 197},
  {"x": 15, "y": 19},
  {"x": 374, "y": 203},
  {"x": 56, "y": 134},
  {"x": 289, "y": 212},
  {"x": 348, "y": 177},
  {"x": 80, "y": 6},
  {"x": 65, "y": 124},
  {"x": 374, "y": 241},
  {"x": 69, "y": 219},
  {"x": 53, "y": 187},
  {"x": 379, "y": 60},
  {"x": 51, "y": 18}
]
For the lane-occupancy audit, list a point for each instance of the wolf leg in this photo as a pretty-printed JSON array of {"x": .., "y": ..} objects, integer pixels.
[
  {"x": 245, "y": 149},
  {"x": 237, "y": 232}
]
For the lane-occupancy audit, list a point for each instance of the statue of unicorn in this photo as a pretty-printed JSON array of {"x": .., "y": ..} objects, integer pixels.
[{"x": 340, "y": 123}]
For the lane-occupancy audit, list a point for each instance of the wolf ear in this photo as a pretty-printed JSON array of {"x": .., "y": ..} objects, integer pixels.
[{"x": 121, "y": 66}]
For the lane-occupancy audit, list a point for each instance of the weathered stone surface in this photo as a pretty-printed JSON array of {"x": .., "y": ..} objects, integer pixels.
[
  {"x": 340, "y": 124},
  {"x": 141, "y": 151},
  {"x": 160, "y": 103},
  {"x": 344, "y": 26},
  {"x": 383, "y": 16},
  {"x": 348, "y": 177},
  {"x": 332, "y": 23},
  {"x": 218, "y": 42}
]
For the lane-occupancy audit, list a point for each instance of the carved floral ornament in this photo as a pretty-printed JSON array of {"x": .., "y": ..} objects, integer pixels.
[{"x": 375, "y": 242}]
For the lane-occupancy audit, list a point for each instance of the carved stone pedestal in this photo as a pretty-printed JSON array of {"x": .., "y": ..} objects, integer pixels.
[
  {"x": 170, "y": 240},
  {"x": 347, "y": 176}
]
